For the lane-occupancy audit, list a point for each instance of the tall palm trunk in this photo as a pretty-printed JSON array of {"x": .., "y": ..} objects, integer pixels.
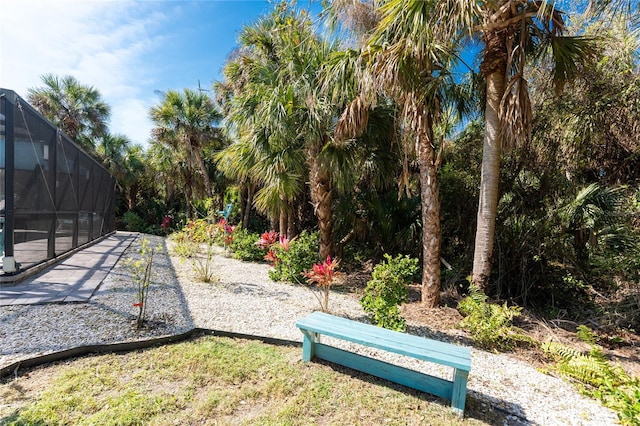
[
  {"x": 320, "y": 183},
  {"x": 494, "y": 69},
  {"x": 283, "y": 221},
  {"x": 431, "y": 231},
  {"x": 291, "y": 226},
  {"x": 247, "y": 206},
  {"x": 203, "y": 169}
]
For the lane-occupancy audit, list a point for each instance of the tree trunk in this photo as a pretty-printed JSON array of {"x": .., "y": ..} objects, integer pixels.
[
  {"x": 291, "y": 226},
  {"x": 188, "y": 191},
  {"x": 321, "y": 200},
  {"x": 187, "y": 199},
  {"x": 247, "y": 209},
  {"x": 282, "y": 230},
  {"x": 203, "y": 169},
  {"x": 431, "y": 231},
  {"x": 494, "y": 68}
]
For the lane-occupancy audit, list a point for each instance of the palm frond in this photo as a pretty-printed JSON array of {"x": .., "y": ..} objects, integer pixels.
[{"x": 570, "y": 55}]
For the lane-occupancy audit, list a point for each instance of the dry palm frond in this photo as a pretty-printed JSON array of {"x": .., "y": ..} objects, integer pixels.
[
  {"x": 516, "y": 113},
  {"x": 353, "y": 121}
]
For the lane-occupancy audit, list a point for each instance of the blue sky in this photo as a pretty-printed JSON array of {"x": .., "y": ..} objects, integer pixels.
[{"x": 125, "y": 49}]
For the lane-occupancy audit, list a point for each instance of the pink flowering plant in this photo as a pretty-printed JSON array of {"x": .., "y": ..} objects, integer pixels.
[
  {"x": 166, "y": 222},
  {"x": 323, "y": 275}
]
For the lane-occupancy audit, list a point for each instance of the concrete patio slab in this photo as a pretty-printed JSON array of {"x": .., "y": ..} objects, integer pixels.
[{"x": 74, "y": 279}]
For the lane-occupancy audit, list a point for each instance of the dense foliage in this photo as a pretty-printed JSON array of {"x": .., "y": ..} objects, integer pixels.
[{"x": 314, "y": 139}]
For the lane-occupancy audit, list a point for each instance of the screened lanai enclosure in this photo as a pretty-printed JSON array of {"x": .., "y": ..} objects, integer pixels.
[{"x": 53, "y": 196}]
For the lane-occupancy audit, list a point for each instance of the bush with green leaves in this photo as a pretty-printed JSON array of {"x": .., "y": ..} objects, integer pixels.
[
  {"x": 291, "y": 260},
  {"x": 133, "y": 222},
  {"x": 387, "y": 290},
  {"x": 491, "y": 324},
  {"x": 597, "y": 376},
  {"x": 244, "y": 246}
]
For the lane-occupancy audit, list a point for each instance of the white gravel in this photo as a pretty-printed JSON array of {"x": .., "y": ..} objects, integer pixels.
[{"x": 245, "y": 300}]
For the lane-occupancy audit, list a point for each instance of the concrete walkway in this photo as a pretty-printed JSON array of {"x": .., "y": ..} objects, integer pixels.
[{"x": 74, "y": 279}]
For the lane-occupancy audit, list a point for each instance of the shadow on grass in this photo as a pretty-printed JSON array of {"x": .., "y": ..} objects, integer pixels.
[{"x": 482, "y": 407}]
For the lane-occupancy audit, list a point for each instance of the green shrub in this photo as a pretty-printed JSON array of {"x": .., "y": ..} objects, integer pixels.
[
  {"x": 490, "y": 324},
  {"x": 291, "y": 264},
  {"x": 597, "y": 376},
  {"x": 244, "y": 246},
  {"x": 133, "y": 222},
  {"x": 387, "y": 290}
]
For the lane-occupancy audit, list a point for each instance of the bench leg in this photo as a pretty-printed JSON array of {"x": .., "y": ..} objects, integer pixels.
[
  {"x": 308, "y": 345},
  {"x": 459, "y": 394}
]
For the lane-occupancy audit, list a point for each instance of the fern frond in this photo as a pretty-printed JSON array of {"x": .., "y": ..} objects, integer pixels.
[
  {"x": 558, "y": 350},
  {"x": 585, "y": 334}
]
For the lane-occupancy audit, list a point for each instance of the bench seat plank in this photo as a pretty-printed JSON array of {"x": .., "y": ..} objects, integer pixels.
[{"x": 401, "y": 343}]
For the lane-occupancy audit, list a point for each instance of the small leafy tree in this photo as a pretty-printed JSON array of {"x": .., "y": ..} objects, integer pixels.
[{"x": 387, "y": 290}]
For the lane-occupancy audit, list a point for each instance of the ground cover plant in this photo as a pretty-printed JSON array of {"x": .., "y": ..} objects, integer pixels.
[
  {"x": 490, "y": 324},
  {"x": 215, "y": 380},
  {"x": 597, "y": 376}
]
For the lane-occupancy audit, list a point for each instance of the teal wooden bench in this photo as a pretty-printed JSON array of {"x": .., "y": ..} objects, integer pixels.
[{"x": 458, "y": 357}]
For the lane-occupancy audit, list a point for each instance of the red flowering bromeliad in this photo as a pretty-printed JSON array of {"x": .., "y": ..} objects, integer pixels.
[
  {"x": 267, "y": 239},
  {"x": 228, "y": 234},
  {"x": 271, "y": 257},
  {"x": 285, "y": 243},
  {"x": 275, "y": 244},
  {"x": 323, "y": 274}
]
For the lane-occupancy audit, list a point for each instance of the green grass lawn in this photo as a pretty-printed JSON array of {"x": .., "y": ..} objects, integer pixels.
[{"x": 215, "y": 380}]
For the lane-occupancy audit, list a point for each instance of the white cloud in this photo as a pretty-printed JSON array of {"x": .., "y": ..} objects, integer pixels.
[{"x": 103, "y": 44}]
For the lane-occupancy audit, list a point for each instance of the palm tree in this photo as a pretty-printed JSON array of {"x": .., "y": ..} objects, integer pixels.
[
  {"x": 514, "y": 33},
  {"x": 187, "y": 121},
  {"x": 112, "y": 150},
  {"x": 279, "y": 110},
  {"x": 134, "y": 167},
  {"x": 78, "y": 110},
  {"x": 405, "y": 63},
  {"x": 594, "y": 209},
  {"x": 265, "y": 156}
]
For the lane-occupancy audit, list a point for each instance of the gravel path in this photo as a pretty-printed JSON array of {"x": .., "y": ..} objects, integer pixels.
[{"x": 244, "y": 300}]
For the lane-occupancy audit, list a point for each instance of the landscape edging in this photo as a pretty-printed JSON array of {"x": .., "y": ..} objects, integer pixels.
[{"x": 132, "y": 346}]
